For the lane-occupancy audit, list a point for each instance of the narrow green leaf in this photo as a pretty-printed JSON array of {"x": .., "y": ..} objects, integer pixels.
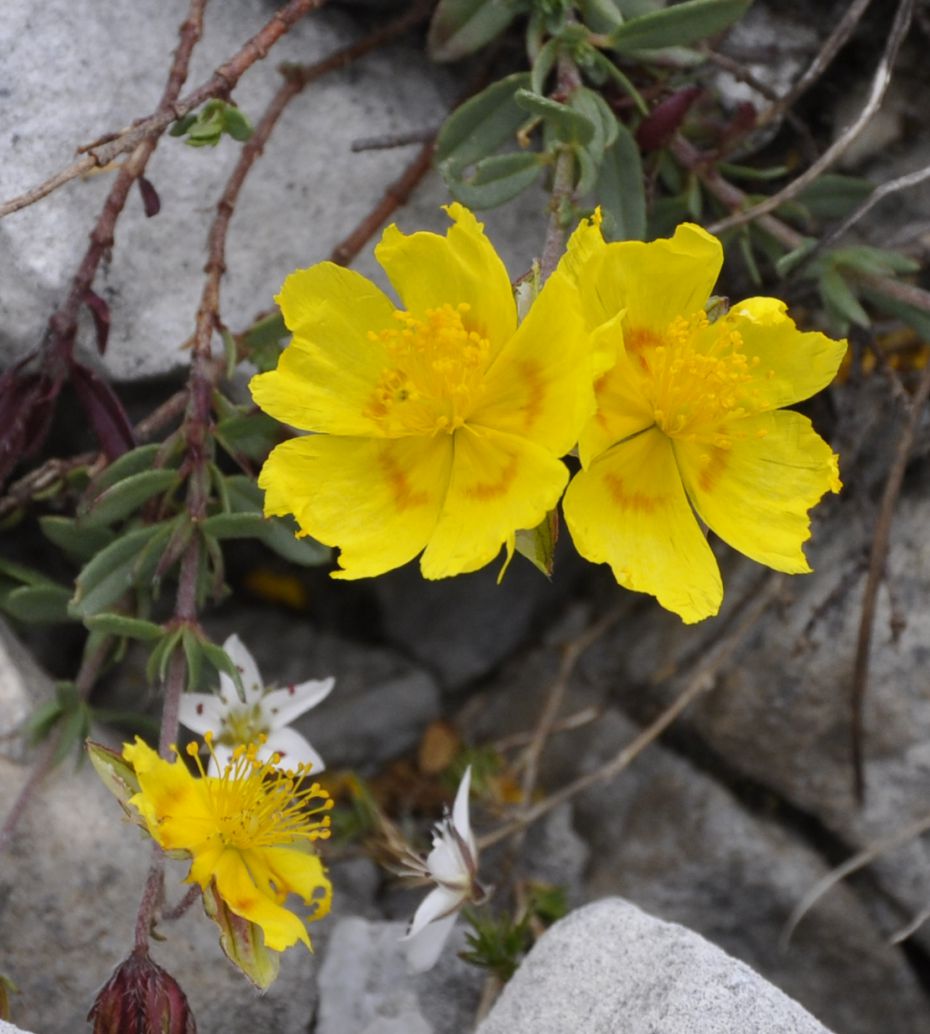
[
  {"x": 833, "y": 196},
  {"x": 493, "y": 181},
  {"x": 249, "y": 525},
  {"x": 460, "y": 27},
  {"x": 864, "y": 259},
  {"x": 568, "y": 125},
  {"x": 251, "y": 434},
  {"x": 483, "y": 123},
  {"x": 112, "y": 572},
  {"x": 125, "y": 466},
  {"x": 21, "y": 573},
  {"x": 231, "y": 351},
  {"x": 838, "y": 295},
  {"x": 749, "y": 258},
  {"x": 41, "y": 722},
  {"x": 543, "y": 65},
  {"x": 789, "y": 262},
  {"x": 39, "y": 604},
  {"x": 620, "y": 190},
  {"x": 919, "y": 319},
  {"x": 78, "y": 542},
  {"x": 222, "y": 662},
  {"x": 598, "y": 112},
  {"x": 193, "y": 655},
  {"x": 236, "y": 123},
  {"x": 600, "y": 16},
  {"x": 747, "y": 172},
  {"x": 677, "y": 25},
  {"x": 280, "y": 536},
  {"x": 126, "y": 496},
  {"x": 124, "y": 625}
]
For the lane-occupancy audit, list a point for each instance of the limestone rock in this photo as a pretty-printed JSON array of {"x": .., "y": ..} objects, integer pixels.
[
  {"x": 610, "y": 967},
  {"x": 23, "y": 687}
]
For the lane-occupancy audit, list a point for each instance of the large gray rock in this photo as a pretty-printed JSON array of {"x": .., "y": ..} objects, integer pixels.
[
  {"x": 23, "y": 687},
  {"x": 365, "y": 987},
  {"x": 307, "y": 192},
  {"x": 8, "y": 1028},
  {"x": 610, "y": 968}
]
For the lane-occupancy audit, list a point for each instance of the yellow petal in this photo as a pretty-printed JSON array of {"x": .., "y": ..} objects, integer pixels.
[
  {"x": 541, "y": 384},
  {"x": 376, "y": 499},
  {"x": 654, "y": 282},
  {"x": 326, "y": 376},
  {"x": 236, "y": 887},
  {"x": 586, "y": 242},
  {"x": 170, "y": 800},
  {"x": 756, "y": 494},
  {"x": 300, "y": 872},
  {"x": 629, "y": 510},
  {"x": 791, "y": 365},
  {"x": 429, "y": 271},
  {"x": 500, "y": 483},
  {"x": 622, "y": 409}
]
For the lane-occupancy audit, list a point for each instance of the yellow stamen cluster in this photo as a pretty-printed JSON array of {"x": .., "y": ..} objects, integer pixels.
[
  {"x": 698, "y": 377},
  {"x": 255, "y": 805},
  {"x": 436, "y": 372}
]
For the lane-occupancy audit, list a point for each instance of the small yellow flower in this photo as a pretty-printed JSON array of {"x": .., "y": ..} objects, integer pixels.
[
  {"x": 689, "y": 422},
  {"x": 248, "y": 832},
  {"x": 439, "y": 425}
]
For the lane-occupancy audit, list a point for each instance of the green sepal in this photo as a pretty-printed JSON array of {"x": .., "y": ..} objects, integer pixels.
[
  {"x": 676, "y": 26},
  {"x": 242, "y": 941},
  {"x": 538, "y": 544},
  {"x": 116, "y": 774}
]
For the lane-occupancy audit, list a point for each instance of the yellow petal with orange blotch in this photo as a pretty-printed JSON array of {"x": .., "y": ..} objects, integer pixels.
[
  {"x": 327, "y": 375},
  {"x": 236, "y": 887},
  {"x": 788, "y": 365},
  {"x": 629, "y": 510},
  {"x": 541, "y": 384},
  {"x": 500, "y": 483},
  {"x": 654, "y": 282},
  {"x": 756, "y": 493},
  {"x": 376, "y": 499},
  {"x": 429, "y": 271}
]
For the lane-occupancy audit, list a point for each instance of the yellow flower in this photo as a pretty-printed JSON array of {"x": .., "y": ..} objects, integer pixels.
[
  {"x": 248, "y": 832},
  {"x": 440, "y": 425},
  {"x": 689, "y": 423}
]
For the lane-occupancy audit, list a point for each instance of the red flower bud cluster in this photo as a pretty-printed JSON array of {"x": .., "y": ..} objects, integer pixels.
[{"x": 141, "y": 998}]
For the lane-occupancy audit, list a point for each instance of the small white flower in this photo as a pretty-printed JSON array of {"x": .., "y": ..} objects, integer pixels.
[
  {"x": 453, "y": 866},
  {"x": 264, "y": 712}
]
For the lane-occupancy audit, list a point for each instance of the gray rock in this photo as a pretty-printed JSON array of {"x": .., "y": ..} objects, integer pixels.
[
  {"x": 307, "y": 192},
  {"x": 365, "y": 987},
  {"x": 8, "y": 1028},
  {"x": 23, "y": 686},
  {"x": 609, "y": 968}
]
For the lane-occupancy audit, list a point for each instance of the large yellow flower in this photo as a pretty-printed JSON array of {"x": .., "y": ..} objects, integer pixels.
[
  {"x": 689, "y": 421},
  {"x": 248, "y": 834},
  {"x": 440, "y": 425}
]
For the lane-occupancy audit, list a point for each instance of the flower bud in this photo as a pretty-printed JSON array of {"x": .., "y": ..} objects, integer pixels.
[{"x": 141, "y": 998}]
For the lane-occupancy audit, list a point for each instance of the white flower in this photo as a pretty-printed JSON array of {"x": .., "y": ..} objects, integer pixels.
[
  {"x": 263, "y": 713},
  {"x": 453, "y": 866}
]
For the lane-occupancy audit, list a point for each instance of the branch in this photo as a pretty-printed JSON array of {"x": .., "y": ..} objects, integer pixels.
[
  {"x": 220, "y": 84},
  {"x": 880, "y": 83}
]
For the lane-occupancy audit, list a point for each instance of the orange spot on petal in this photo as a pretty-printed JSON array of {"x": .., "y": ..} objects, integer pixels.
[
  {"x": 535, "y": 392},
  {"x": 716, "y": 463},
  {"x": 485, "y": 490},
  {"x": 632, "y": 501},
  {"x": 398, "y": 482}
]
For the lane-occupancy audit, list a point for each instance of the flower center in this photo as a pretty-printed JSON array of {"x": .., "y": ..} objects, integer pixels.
[
  {"x": 242, "y": 725},
  {"x": 696, "y": 375},
  {"x": 435, "y": 375},
  {"x": 255, "y": 805}
]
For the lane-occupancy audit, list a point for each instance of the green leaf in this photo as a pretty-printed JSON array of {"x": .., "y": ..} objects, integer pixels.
[
  {"x": 864, "y": 259},
  {"x": 263, "y": 341},
  {"x": 543, "y": 65},
  {"x": 41, "y": 722},
  {"x": 600, "y": 16},
  {"x": 21, "y": 573},
  {"x": 278, "y": 533},
  {"x": 156, "y": 668},
  {"x": 538, "y": 544},
  {"x": 677, "y": 26},
  {"x": 78, "y": 542},
  {"x": 39, "y": 604},
  {"x": 127, "y": 496},
  {"x": 222, "y": 662},
  {"x": 839, "y": 297},
  {"x": 281, "y": 537},
  {"x": 132, "y": 462},
  {"x": 620, "y": 190},
  {"x": 250, "y": 434},
  {"x": 483, "y": 123},
  {"x": 747, "y": 172},
  {"x": 598, "y": 112},
  {"x": 789, "y": 262},
  {"x": 567, "y": 124},
  {"x": 116, "y": 569},
  {"x": 833, "y": 196},
  {"x": 919, "y": 319},
  {"x": 493, "y": 181},
  {"x": 125, "y": 626},
  {"x": 250, "y": 525},
  {"x": 236, "y": 123},
  {"x": 460, "y": 27},
  {"x": 194, "y": 656}
]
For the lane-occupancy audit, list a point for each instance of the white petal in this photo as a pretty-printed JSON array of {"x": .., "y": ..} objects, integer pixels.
[
  {"x": 445, "y": 862},
  {"x": 293, "y": 748},
  {"x": 202, "y": 712},
  {"x": 423, "y": 949},
  {"x": 437, "y": 904},
  {"x": 248, "y": 669},
  {"x": 228, "y": 691},
  {"x": 460, "y": 812},
  {"x": 221, "y": 756},
  {"x": 282, "y": 706}
]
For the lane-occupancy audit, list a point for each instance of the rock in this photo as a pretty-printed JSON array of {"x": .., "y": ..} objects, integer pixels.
[
  {"x": 556, "y": 855},
  {"x": 307, "y": 192},
  {"x": 8, "y": 1028},
  {"x": 69, "y": 889},
  {"x": 610, "y": 967},
  {"x": 365, "y": 987},
  {"x": 23, "y": 687}
]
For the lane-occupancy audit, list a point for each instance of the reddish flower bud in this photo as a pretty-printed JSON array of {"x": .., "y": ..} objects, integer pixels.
[{"x": 141, "y": 998}]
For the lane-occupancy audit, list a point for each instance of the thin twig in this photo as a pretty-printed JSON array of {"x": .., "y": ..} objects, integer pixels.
[
  {"x": 877, "y": 560},
  {"x": 832, "y": 45},
  {"x": 880, "y": 83},
  {"x": 869, "y": 854},
  {"x": 387, "y": 141},
  {"x": 570, "y": 722},
  {"x": 703, "y": 679},
  {"x": 220, "y": 84}
]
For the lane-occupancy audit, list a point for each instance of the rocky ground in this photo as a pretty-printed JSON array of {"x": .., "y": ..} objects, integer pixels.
[{"x": 721, "y": 826}]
